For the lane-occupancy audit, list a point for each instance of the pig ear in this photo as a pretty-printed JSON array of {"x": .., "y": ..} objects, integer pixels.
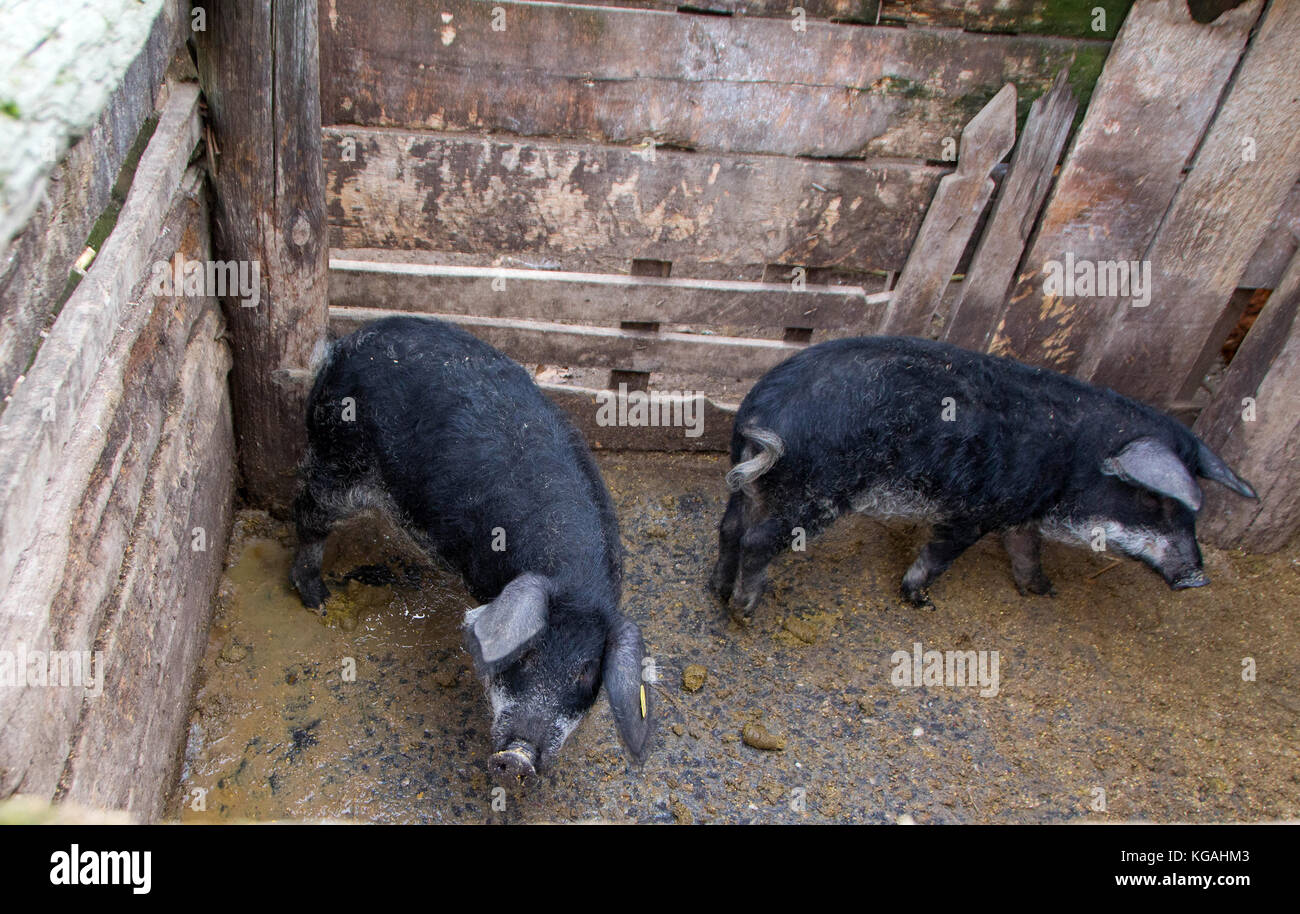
[
  {"x": 1211, "y": 467},
  {"x": 629, "y": 698},
  {"x": 1149, "y": 463},
  {"x": 500, "y": 631}
]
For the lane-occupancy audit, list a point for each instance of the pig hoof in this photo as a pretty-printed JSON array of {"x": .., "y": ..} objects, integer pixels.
[
  {"x": 918, "y": 598},
  {"x": 312, "y": 592}
]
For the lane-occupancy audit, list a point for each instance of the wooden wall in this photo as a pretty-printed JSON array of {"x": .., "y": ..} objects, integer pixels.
[{"x": 116, "y": 459}]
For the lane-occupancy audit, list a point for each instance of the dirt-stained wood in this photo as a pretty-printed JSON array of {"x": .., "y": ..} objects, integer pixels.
[
  {"x": 864, "y": 11},
  {"x": 586, "y": 346},
  {"x": 139, "y": 430},
  {"x": 391, "y": 189},
  {"x": 1045, "y": 17},
  {"x": 1254, "y": 424},
  {"x": 1280, "y": 243},
  {"x": 34, "y": 270},
  {"x": 978, "y": 308},
  {"x": 36, "y": 427},
  {"x": 951, "y": 217},
  {"x": 259, "y": 68},
  {"x": 1246, "y": 166},
  {"x": 359, "y": 279},
  {"x": 1155, "y": 99},
  {"x": 725, "y": 84}
]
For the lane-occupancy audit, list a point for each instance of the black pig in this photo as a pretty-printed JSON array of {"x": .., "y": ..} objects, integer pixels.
[
  {"x": 454, "y": 440},
  {"x": 866, "y": 425}
]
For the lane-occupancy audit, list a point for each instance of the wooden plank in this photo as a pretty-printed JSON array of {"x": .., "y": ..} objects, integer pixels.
[
  {"x": 550, "y": 343},
  {"x": 839, "y": 10},
  {"x": 1162, "y": 351},
  {"x": 951, "y": 218},
  {"x": 709, "y": 83},
  {"x": 450, "y": 193},
  {"x": 34, "y": 270},
  {"x": 584, "y": 406},
  {"x": 1043, "y": 17},
  {"x": 1155, "y": 99},
  {"x": 259, "y": 67},
  {"x": 63, "y": 61},
  {"x": 35, "y": 429},
  {"x": 1260, "y": 445},
  {"x": 1280, "y": 243},
  {"x": 978, "y": 308},
  {"x": 63, "y": 582},
  {"x": 597, "y": 298},
  {"x": 130, "y": 739}
]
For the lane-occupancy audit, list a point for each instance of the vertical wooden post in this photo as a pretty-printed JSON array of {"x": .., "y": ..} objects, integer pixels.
[{"x": 259, "y": 68}]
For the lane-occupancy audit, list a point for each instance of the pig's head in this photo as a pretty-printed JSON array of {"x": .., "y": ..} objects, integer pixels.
[
  {"x": 1145, "y": 502},
  {"x": 542, "y": 670}
]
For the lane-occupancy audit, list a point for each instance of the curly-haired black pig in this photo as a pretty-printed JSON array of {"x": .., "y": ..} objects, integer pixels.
[
  {"x": 454, "y": 440},
  {"x": 975, "y": 444}
]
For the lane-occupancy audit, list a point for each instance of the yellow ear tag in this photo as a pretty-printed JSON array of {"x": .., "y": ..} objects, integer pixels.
[{"x": 643, "y": 701}]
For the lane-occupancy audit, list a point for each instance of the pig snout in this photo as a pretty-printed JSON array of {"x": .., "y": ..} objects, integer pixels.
[
  {"x": 1196, "y": 577},
  {"x": 518, "y": 760}
]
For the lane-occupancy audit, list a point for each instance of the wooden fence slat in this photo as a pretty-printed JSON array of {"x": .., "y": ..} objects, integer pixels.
[
  {"x": 391, "y": 189},
  {"x": 1046, "y": 17},
  {"x": 840, "y": 10},
  {"x": 1162, "y": 351},
  {"x": 549, "y": 343},
  {"x": 1280, "y": 243},
  {"x": 1157, "y": 94},
  {"x": 1262, "y": 448},
  {"x": 952, "y": 217},
  {"x": 597, "y": 298},
  {"x": 709, "y": 83},
  {"x": 40, "y": 418},
  {"x": 983, "y": 294},
  {"x": 583, "y": 406},
  {"x": 258, "y": 63}
]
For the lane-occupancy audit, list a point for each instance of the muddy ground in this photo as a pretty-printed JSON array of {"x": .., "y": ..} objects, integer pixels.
[{"x": 1118, "y": 700}]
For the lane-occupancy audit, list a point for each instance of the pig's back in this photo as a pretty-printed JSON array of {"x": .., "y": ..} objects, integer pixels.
[
  {"x": 861, "y": 412},
  {"x": 465, "y": 443}
]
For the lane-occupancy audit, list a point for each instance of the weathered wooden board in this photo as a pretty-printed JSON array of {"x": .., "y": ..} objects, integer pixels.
[
  {"x": 1161, "y": 352},
  {"x": 584, "y": 406},
  {"x": 550, "y": 343},
  {"x": 1045, "y": 17},
  {"x": 951, "y": 218},
  {"x": 259, "y": 68},
  {"x": 358, "y": 281},
  {"x": 1263, "y": 447},
  {"x": 1156, "y": 97},
  {"x": 452, "y": 193},
  {"x": 156, "y": 622},
  {"x": 1280, "y": 243},
  {"x": 34, "y": 270},
  {"x": 35, "y": 429},
  {"x": 61, "y": 592},
  {"x": 725, "y": 84},
  {"x": 63, "y": 62},
  {"x": 982, "y": 299},
  {"x": 864, "y": 11}
]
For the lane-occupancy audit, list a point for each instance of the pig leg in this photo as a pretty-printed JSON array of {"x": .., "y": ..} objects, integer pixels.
[
  {"x": 1024, "y": 545},
  {"x": 948, "y": 543},
  {"x": 761, "y": 543},
  {"x": 315, "y": 511},
  {"x": 730, "y": 531}
]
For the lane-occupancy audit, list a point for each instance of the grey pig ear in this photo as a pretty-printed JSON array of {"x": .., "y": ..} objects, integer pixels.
[
  {"x": 1149, "y": 463},
  {"x": 1211, "y": 467},
  {"x": 497, "y": 633},
  {"x": 629, "y": 696}
]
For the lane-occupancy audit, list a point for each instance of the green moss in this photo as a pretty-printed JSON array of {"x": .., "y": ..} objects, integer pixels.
[
  {"x": 9, "y": 107},
  {"x": 1074, "y": 17}
]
